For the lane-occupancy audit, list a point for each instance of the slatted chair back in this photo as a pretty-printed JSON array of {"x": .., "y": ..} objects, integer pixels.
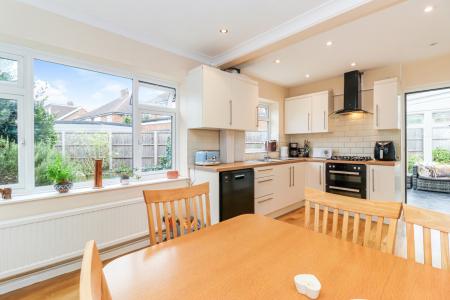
[
  {"x": 175, "y": 212},
  {"x": 382, "y": 210},
  {"x": 93, "y": 284},
  {"x": 428, "y": 220}
]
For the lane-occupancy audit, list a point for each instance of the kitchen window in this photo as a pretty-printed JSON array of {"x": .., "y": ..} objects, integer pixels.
[
  {"x": 255, "y": 140},
  {"x": 11, "y": 140},
  {"x": 80, "y": 114}
]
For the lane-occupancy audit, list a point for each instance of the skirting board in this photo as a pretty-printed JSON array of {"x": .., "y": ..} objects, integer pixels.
[
  {"x": 287, "y": 209},
  {"x": 41, "y": 275}
]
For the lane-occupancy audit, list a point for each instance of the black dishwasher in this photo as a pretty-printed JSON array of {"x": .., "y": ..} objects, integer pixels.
[{"x": 237, "y": 195}]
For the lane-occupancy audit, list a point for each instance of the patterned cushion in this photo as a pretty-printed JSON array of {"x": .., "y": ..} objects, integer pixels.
[
  {"x": 441, "y": 171},
  {"x": 433, "y": 170},
  {"x": 425, "y": 170}
]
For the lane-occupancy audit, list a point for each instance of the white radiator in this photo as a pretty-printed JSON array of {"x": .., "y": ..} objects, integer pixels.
[{"x": 42, "y": 240}]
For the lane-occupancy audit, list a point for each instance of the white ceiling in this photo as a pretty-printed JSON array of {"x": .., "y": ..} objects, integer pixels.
[
  {"x": 397, "y": 34},
  {"x": 191, "y": 28}
]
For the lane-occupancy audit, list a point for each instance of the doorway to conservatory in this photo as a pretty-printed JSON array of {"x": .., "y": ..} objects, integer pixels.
[{"x": 428, "y": 149}]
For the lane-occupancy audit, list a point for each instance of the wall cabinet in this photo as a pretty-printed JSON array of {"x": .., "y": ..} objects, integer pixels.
[
  {"x": 386, "y": 104},
  {"x": 308, "y": 113},
  {"x": 220, "y": 100},
  {"x": 384, "y": 183},
  {"x": 297, "y": 114},
  {"x": 315, "y": 175}
]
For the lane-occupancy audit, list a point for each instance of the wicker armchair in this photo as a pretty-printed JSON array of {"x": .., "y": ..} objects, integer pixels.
[{"x": 428, "y": 183}]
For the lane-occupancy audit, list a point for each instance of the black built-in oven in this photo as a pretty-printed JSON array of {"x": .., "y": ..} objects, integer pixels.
[{"x": 346, "y": 179}]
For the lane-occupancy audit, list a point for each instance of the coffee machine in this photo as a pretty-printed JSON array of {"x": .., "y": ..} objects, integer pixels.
[{"x": 293, "y": 150}]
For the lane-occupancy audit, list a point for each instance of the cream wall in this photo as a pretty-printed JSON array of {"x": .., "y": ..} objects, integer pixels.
[{"x": 24, "y": 25}]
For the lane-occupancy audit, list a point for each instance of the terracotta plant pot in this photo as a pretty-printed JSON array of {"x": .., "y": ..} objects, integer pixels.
[
  {"x": 63, "y": 187},
  {"x": 172, "y": 174}
]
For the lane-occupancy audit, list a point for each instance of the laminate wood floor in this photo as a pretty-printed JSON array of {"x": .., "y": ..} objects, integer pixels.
[{"x": 66, "y": 286}]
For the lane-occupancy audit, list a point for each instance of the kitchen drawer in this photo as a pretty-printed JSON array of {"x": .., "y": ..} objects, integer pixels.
[
  {"x": 264, "y": 186},
  {"x": 263, "y": 171},
  {"x": 265, "y": 205}
]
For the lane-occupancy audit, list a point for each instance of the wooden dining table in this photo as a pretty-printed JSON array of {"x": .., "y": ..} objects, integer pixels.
[{"x": 256, "y": 257}]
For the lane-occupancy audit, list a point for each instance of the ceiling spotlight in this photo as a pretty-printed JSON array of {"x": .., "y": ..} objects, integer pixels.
[
  {"x": 307, "y": 75},
  {"x": 428, "y": 9},
  {"x": 329, "y": 43},
  {"x": 277, "y": 61},
  {"x": 223, "y": 30},
  {"x": 353, "y": 64}
]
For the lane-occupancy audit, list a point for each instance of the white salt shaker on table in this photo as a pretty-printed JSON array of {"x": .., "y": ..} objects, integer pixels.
[{"x": 308, "y": 285}]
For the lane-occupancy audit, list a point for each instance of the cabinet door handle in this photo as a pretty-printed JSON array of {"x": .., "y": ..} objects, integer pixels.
[
  {"x": 376, "y": 112},
  {"x": 324, "y": 121},
  {"x": 231, "y": 112},
  {"x": 267, "y": 180},
  {"x": 308, "y": 121},
  {"x": 264, "y": 200},
  {"x": 257, "y": 118},
  {"x": 290, "y": 177},
  {"x": 320, "y": 175},
  {"x": 264, "y": 170},
  {"x": 293, "y": 175},
  {"x": 373, "y": 180}
]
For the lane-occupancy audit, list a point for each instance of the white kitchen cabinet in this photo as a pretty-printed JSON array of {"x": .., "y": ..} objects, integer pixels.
[
  {"x": 277, "y": 187},
  {"x": 386, "y": 104},
  {"x": 315, "y": 175},
  {"x": 297, "y": 190},
  {"x": 297, "y": 113},
  {"x": 289, "y": 183},
  {"x": 308, "y": 113},
  {"x": 321, "y": 105},
  {"x": 216, "y": 99},
  {"x": 220, "y": 100},
  {"x": 384, "y": 182},
  {"x": 244, "y": 102}
]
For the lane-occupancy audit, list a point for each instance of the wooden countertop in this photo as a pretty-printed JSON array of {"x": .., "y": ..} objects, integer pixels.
[
  {"x": 254, "y": 164},
  {"x": 255, "y": 257}
]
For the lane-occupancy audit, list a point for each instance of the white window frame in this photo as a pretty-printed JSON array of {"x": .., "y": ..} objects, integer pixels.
[
  {"x": 269, "y": 125},
  {"x": 20, "y": 141},
  {"x": 20, "y": 70},
  {"x": 23, "y": 90},
  {"x": 138, "y": 110}
]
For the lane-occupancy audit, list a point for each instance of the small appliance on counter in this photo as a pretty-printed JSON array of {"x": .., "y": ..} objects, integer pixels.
[
  {"x": 271, "y": 146},
  {"x": 284, "y": 152},
  {"x": 207, "y": 158},
  {"x": 306, "y": 148},
  {"x": 293, "y": 150},
  {"x": 321, "y": 153},
  {"x": 384, "y": 150}
]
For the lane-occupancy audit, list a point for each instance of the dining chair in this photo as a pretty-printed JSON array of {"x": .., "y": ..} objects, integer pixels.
[
  {"x": 93, "y": 284},
  {"x": 356, "y": 209},
  {"x": 428, "y": 220},
  {"x": 175, "y": 212}
]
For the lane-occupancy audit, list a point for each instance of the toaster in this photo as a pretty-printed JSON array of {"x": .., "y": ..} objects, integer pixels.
[
  {"x": 207, "y": 157},
  {"x": 384, "y": 150}
]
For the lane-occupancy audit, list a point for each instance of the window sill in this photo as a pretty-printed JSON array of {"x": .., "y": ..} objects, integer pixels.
[{"x": 82, "y": 191}]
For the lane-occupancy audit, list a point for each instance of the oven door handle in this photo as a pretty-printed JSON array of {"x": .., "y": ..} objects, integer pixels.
[
  {"x": 344, "y": 189},
  {"x": 344, "y": 172}
]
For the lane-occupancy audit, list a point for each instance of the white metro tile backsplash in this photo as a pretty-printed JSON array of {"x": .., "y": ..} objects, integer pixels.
[{"x": 350, "y": 134}]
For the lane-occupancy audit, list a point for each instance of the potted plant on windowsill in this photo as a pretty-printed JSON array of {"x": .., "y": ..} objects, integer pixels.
[
  {"x": 61, "y": 172},
  {"x": 124, "y": 172}
]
